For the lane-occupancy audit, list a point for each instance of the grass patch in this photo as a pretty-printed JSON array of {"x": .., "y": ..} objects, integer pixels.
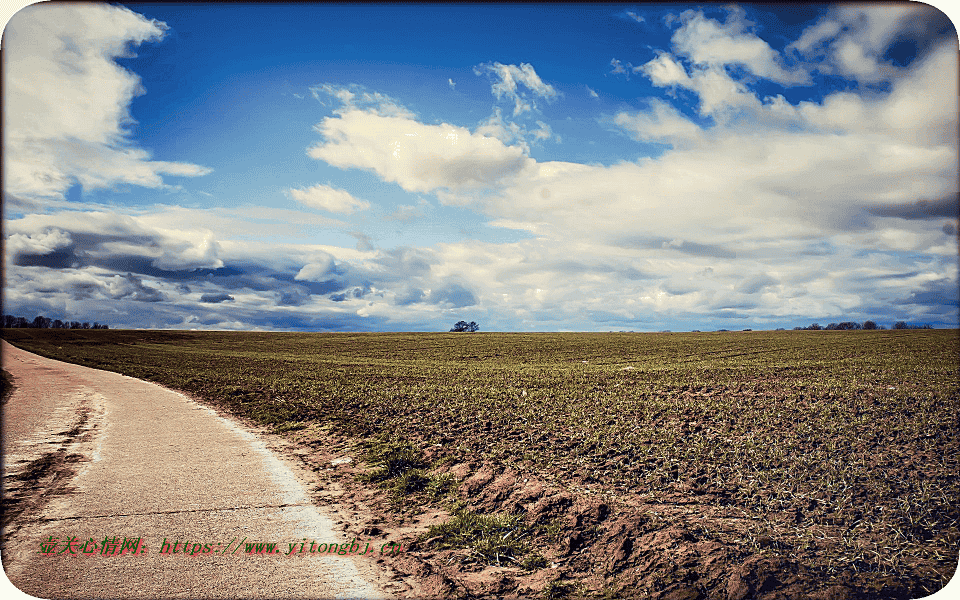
[
  {"x": 492, "y": 539},
  {"x": 289, "y": 426},
  {"x": 441, "y": 486},
  {"x": 390, "y": 459},
  {"x": 400, "y": 468}
]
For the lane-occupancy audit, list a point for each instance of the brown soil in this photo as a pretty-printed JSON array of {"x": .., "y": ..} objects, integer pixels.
[{"x": 603, "y": 546}]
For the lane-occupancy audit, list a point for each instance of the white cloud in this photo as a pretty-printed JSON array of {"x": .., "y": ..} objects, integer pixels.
[
  {"x": 665, "y": 71},
  {"x": 328, "y": 198},
  {"x": 66, "y": 102},
  {"x": 543, "y": 132},
  {"x": 321, "y": 268},
  {"x": 406, "y": 214},
  {"x": 660, "y": 122},
  {"x": 418, "y": 157},
  {"x": 355, "y": 97},
  {"x": 708, "y": 42},
  {"x": 510, "y": 78},
  {"x": 853, "y": 38},
  {"x": 619, "y": 68}
]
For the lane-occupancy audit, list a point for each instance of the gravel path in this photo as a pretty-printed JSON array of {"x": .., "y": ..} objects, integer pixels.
[{"x": 96, "y": 455}]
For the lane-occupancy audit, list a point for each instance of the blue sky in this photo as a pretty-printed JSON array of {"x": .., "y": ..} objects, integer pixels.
[{"x": 529, "y": 167}]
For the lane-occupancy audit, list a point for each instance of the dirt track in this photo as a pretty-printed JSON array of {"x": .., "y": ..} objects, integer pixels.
[{"x": 94, "y": 454}]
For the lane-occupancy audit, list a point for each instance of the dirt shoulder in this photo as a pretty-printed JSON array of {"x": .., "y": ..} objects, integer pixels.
[{"x": 589, "y": 542}]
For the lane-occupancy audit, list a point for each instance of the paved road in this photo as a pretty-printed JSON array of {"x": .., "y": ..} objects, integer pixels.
[{"x": 92, "y": 454}]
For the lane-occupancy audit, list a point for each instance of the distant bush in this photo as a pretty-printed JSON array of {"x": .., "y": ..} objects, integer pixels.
[
  {"x": 904, "y": 325},
  {"x": 464, "y": 326}
]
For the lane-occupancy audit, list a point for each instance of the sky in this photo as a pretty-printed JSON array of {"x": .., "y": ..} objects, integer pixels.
[{"x": 534, "y": 167}]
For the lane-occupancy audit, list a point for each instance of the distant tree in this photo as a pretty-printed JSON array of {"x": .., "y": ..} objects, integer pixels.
[
  {"x": 57, "y": 324},
  {"x": 901, "y": 325},
  {"x": 869, "y": 325},
  {"x": 464, "y": 326},
  {"x": 41, "y": 322},
  {"x": 813, "y": 327},
  {"x": 74, "y": 324}
]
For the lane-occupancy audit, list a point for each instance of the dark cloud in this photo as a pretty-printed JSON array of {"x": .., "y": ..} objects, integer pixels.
[
  {"x": 454, "y": 294},
  {"x": 62, "y": 258},
  {"x": 633, "y": 274},
  {"x": 684, "y": 247},
  {"x": 756, "y": 283},
  {"x": 323, "y": 322},
  {"x": 935, "y": 295},
  {"x": 896, "y": 275},
  {"x": 675, "y": 290},
  {"x": 921, "y": 209},
  {"x": 406, "y": 261},
  {"x": 81, "y": 290},
  {"x": 134, "y": 289},
  {"x": 919, "y": 33},
  {"x": 364, "y": 241},
  {"x": 215, "y": 298},
  {"x": 293, "y": 296},
  {"x": 409, "y": 296},
  {"x": 819, "y": 248}
]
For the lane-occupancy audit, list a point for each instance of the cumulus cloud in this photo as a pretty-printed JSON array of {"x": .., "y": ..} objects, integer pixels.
[
  {"x": 66, "y": 101},
  {"x": 322, "y": 266},
  {"x": 852, "y": 39},
  {"x": 713, "y": 44},
  {"x": 328, "y": 198},
  {"x": 416, "y": 156},
  {"x": 509, "y": 78},
  {"x": 660, "y": 122}
]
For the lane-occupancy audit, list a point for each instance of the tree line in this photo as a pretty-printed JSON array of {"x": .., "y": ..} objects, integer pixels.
[
  {"x": 41, "y": 322},
  {"x": 847, "y": 325}
]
